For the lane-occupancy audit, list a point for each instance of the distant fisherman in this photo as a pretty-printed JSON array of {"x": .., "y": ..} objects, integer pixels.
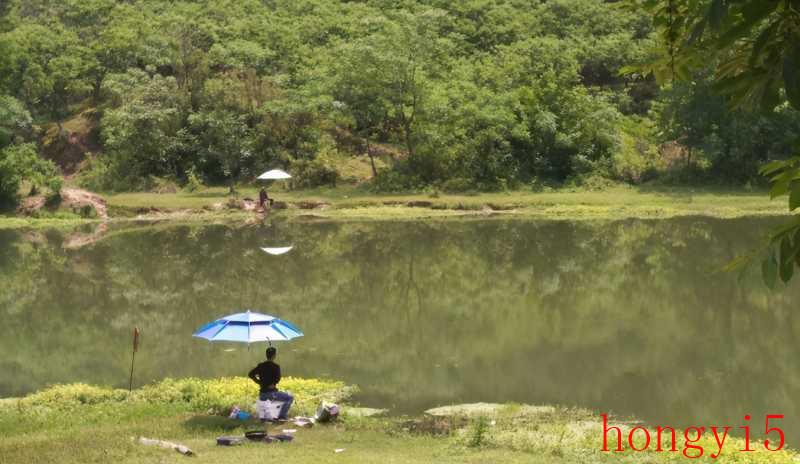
[{"x": 263, "y": 198}]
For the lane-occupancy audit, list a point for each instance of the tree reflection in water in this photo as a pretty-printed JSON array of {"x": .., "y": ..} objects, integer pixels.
[{"x": 624, "y": 316}]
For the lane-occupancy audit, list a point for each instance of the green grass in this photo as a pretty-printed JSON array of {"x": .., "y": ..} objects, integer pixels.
[
  {"x": 69, "y": 222},
  {"x": 352, "y": 203},
  {"x": 618, "y": 202},
  {"x": 86, "y": 424},
  {"x": 114, "y": 442}
]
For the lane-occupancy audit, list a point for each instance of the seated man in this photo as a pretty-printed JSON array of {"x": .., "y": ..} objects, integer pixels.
[
  {"x": 263, "y": 198},
  {"x": 267, "y": 375}
]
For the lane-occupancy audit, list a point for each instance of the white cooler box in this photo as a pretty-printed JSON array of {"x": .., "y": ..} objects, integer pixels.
[{"x": 268, "y": 410}]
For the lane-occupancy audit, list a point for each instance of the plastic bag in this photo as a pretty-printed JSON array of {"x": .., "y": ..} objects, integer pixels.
[
  {"x": 268, "y": 410},
  {"x": 327, "y": 412}
]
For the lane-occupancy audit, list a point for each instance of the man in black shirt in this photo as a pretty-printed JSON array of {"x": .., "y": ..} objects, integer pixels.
[
  {"x": 267, "y": 375},
  {"x": 263, "y": 198}
]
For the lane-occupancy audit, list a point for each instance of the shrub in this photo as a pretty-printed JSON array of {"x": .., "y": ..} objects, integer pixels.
[
  {"x": 160, "y": 185},
  {"x": 62, "y": 397},
  {"x": 478, "y": 432},
  {"x": 390, "y": 180},
  {"x": 105, "y": 174},
  {"x": 22, "y": 163},
  {"x": 457, "y": 185},
  {"x": 98, "y": 175},
  {"x": 541, "y": 185},
  {"x": 592, "y": 182},
  {"x": 216, "y": 395},
  {"x": 313, "y": 173},
  {"x": 636, "y": 156},
  {"x": 193, "y": 182}
]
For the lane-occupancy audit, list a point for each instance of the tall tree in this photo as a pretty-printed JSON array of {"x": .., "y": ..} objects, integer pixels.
[
  {"x": 48, "y": 66},
  {"x": 143, "y": 130},
  {"x": 381, "y": 81},
  {"x": 14, "y": 120},
  {"x": 224, "y": 138}
]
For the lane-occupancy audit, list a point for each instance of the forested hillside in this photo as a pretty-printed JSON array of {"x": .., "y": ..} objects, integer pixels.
[{"x": 477, "y": 94}]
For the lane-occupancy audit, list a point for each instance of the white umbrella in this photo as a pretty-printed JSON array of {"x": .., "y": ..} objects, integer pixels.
[
  {"x": 277, "y": 250},
  {"x": 275, "y": 174}
]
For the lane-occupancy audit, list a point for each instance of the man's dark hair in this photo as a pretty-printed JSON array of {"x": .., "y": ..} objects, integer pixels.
[{"x": 271, "y": 352}]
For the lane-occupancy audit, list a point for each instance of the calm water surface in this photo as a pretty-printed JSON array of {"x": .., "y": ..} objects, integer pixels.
[{"x": 627, "y": 316}]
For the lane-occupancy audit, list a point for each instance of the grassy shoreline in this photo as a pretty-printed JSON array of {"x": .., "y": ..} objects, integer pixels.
[
  {"x": 348, "y": 203},
  {"x": 83, "y": 423}
]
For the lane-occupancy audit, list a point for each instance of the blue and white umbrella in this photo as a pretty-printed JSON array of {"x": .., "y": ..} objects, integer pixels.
[{"x": 248, "y": 327}]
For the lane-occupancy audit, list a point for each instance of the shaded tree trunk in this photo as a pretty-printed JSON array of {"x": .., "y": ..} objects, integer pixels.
[
  {"x": 371, "y": 161},
  {"x": 407, "y": 132},
  {"x": 688, "y": 163},
  {"x": 97, "y": 88}
]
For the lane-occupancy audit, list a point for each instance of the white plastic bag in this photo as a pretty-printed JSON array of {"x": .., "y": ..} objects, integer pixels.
[
  {"x": 268, "y": 410},
  {"x": 327, "y": 412}
]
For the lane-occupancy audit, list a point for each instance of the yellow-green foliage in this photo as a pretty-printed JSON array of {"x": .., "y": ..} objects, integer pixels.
[
  {"x": 72, "y": 395},
  {"x": 220, "y": 394},
  {"x": 215, "y": 395},
  {"x": 636, "y": 153}
]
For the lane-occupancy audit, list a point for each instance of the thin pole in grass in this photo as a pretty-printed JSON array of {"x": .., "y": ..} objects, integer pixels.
[{"x": 133, "y": 356}]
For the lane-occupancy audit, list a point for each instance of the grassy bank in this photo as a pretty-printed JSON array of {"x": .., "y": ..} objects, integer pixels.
[
  {"x": 80, "y": 423},
  {"x": 352, "y": 203},
  {"x": 348, "y": 202}
]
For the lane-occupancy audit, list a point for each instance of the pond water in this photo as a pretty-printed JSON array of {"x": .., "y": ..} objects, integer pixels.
[{"x": 623, "y": 316}]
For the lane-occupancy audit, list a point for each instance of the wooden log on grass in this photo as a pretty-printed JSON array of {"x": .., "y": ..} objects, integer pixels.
[{"x": 167, "y": 445}]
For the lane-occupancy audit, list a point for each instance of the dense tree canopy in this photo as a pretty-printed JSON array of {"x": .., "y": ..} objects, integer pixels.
[
  {"x": 479, "y": 94},
  {"x": 20, "y": 161},
  {"x": 753, "y": 47}
]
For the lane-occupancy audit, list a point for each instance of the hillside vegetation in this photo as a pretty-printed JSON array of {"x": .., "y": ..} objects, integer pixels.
[{"x": 456, "y": 96}]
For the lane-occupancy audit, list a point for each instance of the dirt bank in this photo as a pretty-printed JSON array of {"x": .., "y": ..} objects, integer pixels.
[{"x": 78, "y": 201}]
